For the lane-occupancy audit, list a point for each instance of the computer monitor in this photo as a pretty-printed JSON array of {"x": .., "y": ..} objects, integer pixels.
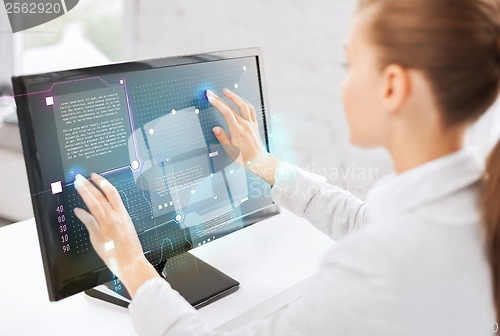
[{"x": 147, "y": 127}]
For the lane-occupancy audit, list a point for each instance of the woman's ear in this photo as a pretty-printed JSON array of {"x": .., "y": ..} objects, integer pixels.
[{"x": 395, "y": 88}]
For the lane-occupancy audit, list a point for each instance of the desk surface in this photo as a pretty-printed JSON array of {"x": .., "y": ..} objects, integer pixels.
[{"x": 272, "y": 260}]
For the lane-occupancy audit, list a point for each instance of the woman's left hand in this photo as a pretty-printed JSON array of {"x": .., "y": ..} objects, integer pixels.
[{"x": 112, "y": 232}]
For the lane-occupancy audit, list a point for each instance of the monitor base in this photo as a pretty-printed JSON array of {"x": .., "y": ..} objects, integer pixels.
[{"x": 195, "y": 280}]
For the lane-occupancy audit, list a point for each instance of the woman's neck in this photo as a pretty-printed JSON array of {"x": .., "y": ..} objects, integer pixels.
[{"x": 411, "y": 150}]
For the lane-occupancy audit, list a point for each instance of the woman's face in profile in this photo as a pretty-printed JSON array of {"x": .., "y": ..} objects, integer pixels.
[{"x": 362, "y": 89}]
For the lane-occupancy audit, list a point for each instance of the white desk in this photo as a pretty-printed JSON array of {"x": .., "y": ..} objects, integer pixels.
[
  {"x": 15, "y": 200},
  {"x": 272, "y": 260}
]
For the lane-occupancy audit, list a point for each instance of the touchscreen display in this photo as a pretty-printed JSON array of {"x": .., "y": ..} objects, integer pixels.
[{"x": 148, "y": 130}]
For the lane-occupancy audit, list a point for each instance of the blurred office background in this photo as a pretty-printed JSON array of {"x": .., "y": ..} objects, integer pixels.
[{"x": 302, "y": 46}]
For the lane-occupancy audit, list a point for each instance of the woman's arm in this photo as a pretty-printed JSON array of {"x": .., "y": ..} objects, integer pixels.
[
  {"x": 112, "y": 232},
  {"x": 348, "y": 296},
  {"x": 157, "y": 309},
  {"x": 333, "y": 210}
]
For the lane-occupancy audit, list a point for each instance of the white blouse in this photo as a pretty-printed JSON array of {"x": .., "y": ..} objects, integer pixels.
[{"x": 411, "y": 263}]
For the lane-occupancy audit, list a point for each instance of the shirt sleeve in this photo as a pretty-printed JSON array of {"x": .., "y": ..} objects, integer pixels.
[
  {"x": 157, "y": 309},
  {"x": 347, "y": 297},
  {"x": 331, "y": 209}
]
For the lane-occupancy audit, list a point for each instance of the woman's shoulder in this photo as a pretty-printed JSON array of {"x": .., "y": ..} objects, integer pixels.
[
  {"x": 442, "y": 272},
  {"x": 412, "y": 241}
]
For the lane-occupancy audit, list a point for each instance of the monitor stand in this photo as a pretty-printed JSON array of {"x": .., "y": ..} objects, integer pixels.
[{"x": 195, "y": 280}]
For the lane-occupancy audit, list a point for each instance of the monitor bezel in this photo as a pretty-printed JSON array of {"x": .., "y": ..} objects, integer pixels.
[{"x": 56, "y": 289}]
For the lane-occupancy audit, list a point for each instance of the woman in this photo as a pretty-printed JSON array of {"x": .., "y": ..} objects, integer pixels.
[{"x": 422, "y": 257}]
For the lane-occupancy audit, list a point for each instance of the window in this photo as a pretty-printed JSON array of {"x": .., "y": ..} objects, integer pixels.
[{"x": 91, "y": 34}]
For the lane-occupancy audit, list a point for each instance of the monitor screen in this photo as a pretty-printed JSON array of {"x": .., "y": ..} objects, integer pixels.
[{"x": 147, "y": 127}]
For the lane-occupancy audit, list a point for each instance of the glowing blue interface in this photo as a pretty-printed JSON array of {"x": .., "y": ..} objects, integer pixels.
[{"x": 149, "y": 132}]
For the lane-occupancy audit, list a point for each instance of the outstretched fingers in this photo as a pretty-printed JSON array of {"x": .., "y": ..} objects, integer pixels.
[
  {"x": 88, "y": 220},
  {"x": 93, "y": 198},
  {"x": 109, "y": 190},
  {"x": 230, "y": 116},
  {"x": 242, "y": 105}
]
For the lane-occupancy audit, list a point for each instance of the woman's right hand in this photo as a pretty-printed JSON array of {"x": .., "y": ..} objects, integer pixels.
[{"x": 243, "y": 142}]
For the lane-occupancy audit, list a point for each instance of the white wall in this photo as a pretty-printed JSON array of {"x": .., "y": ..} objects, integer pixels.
[
  {"x": 6, "y": 48},
  {"x": 486, "y": 132},
  {"x": 302, "y": 45}
]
